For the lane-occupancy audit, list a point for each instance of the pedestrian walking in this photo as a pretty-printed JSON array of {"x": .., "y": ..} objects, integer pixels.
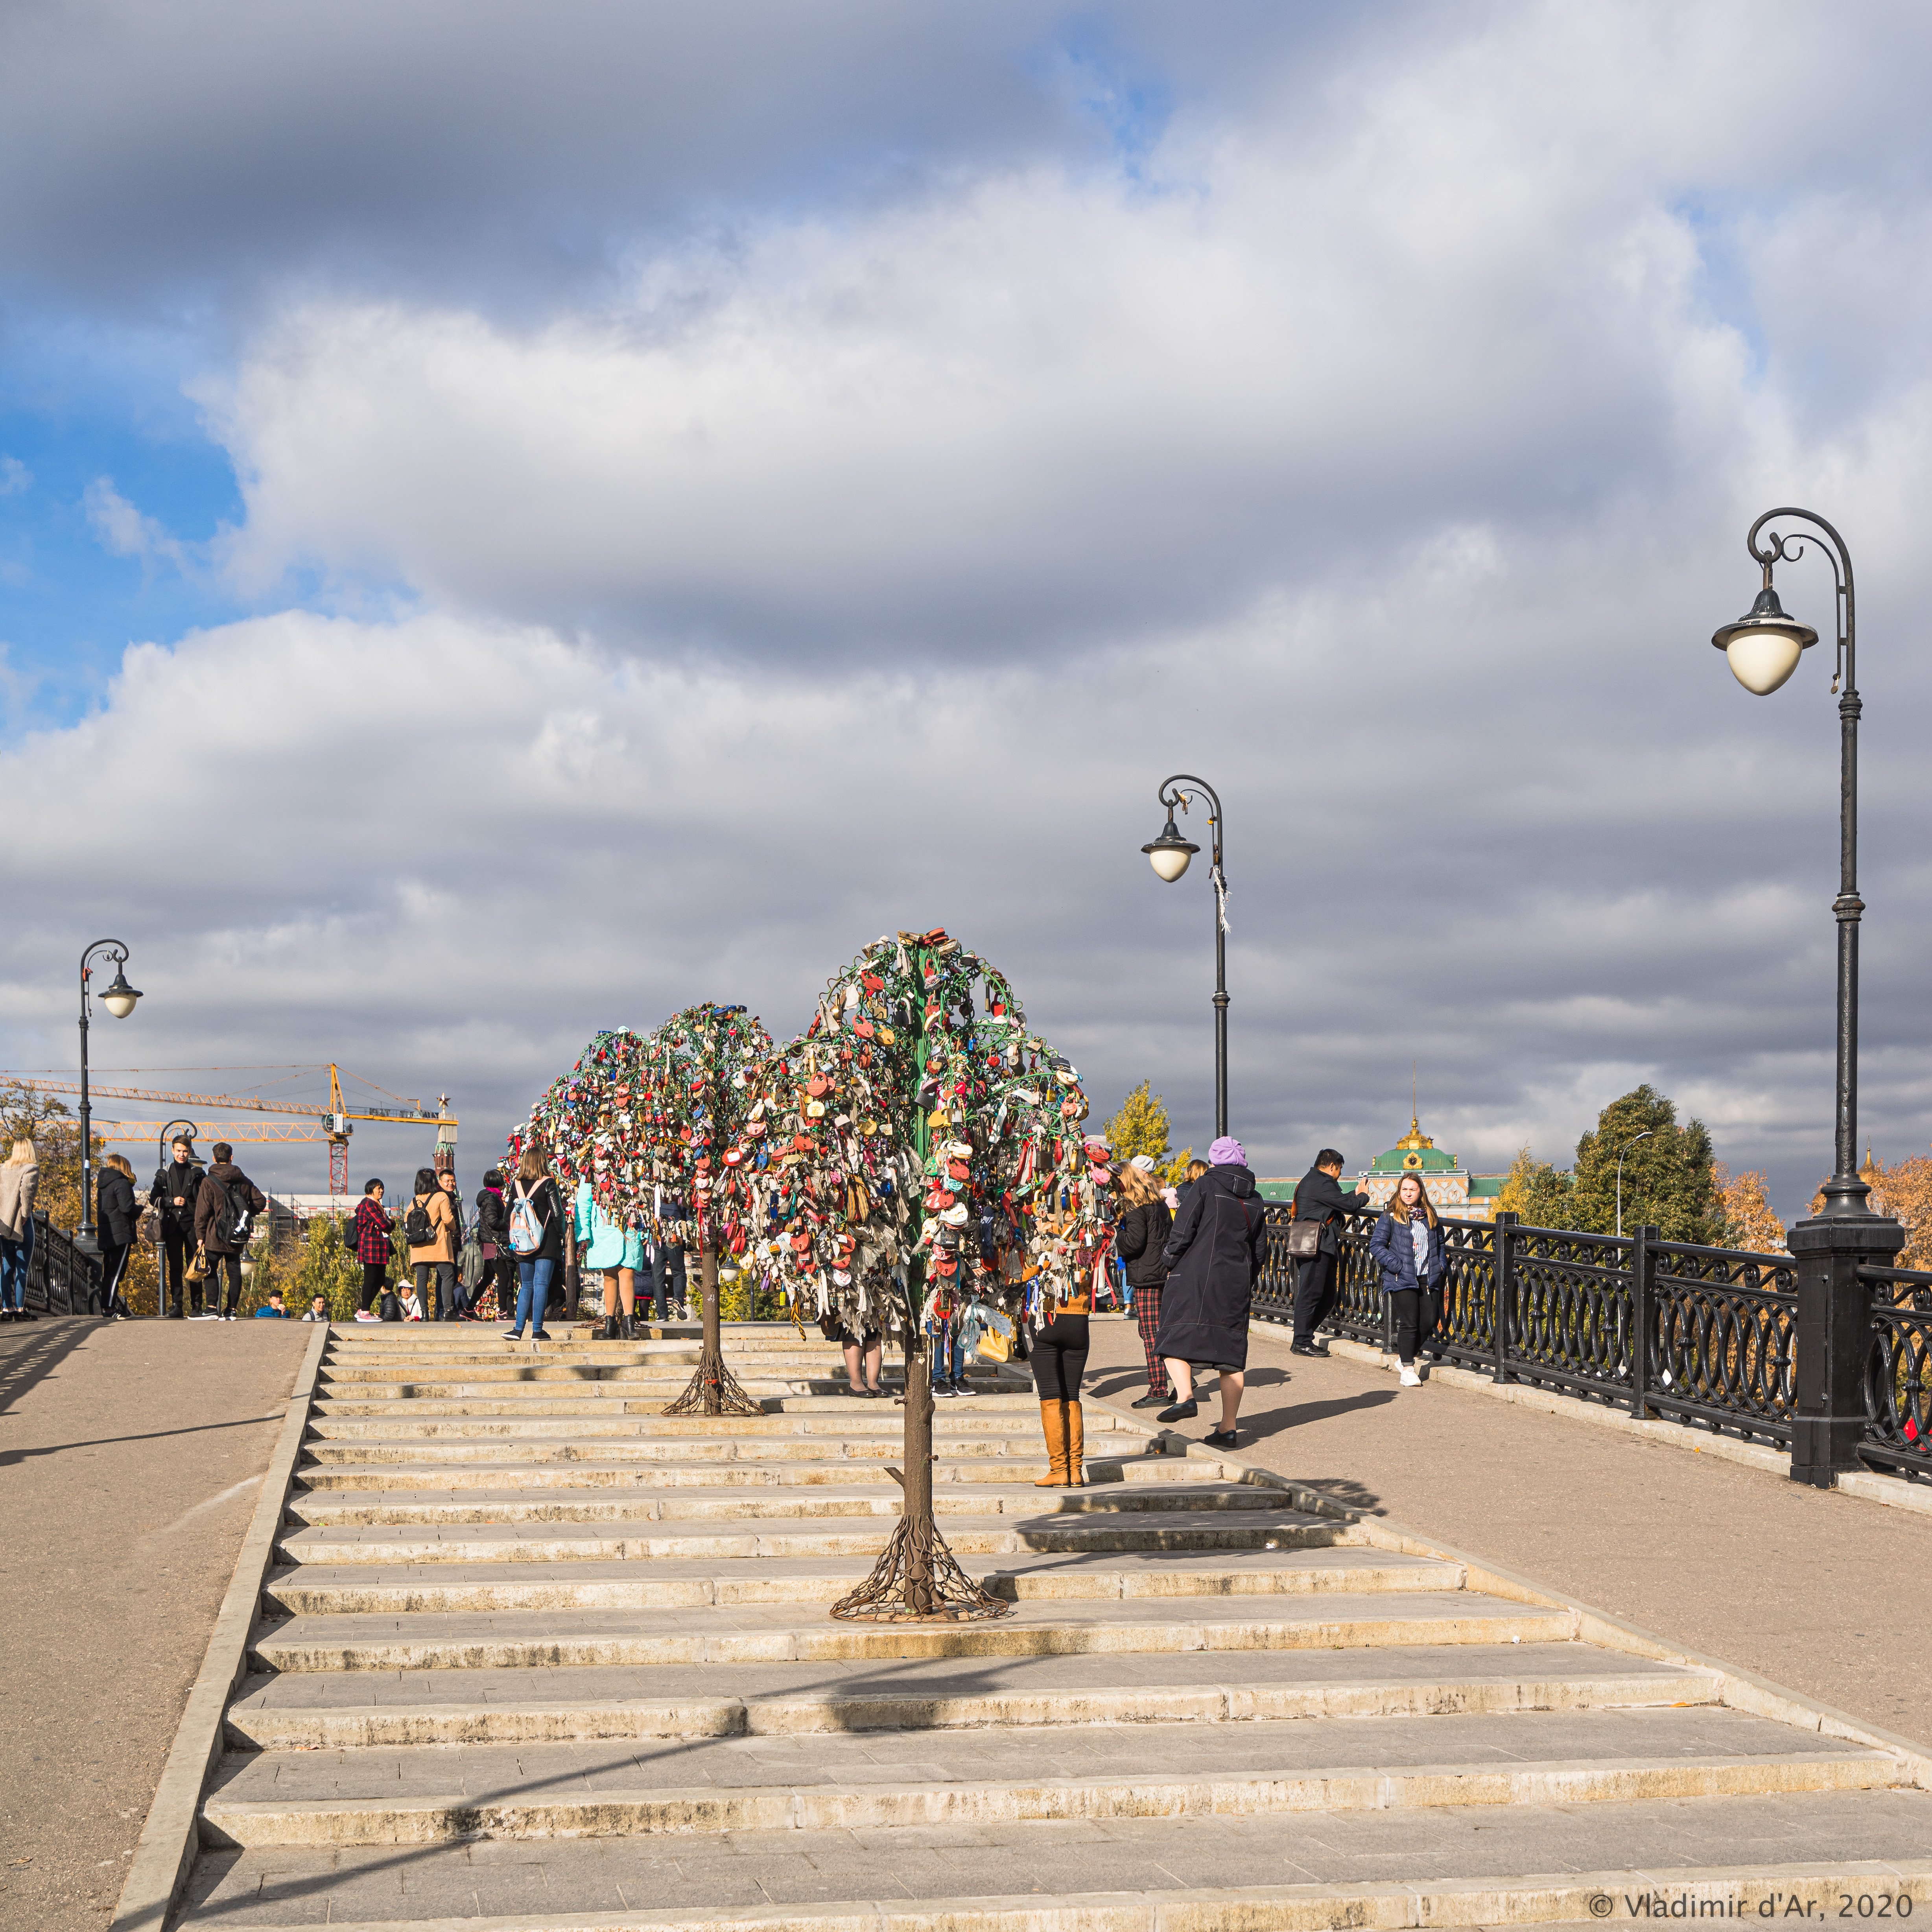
[
  {"x": 19, "y": 1182},
  {"x": 609, "y": 1248},
  {"x": 536, "y": 1240},
  {"x": 1139, "y": 1237},
  {"x": 173, "y": 1197},
  {"x": 225, "y": 1208},
  {"x": 1318, "y": 1197},
  {"x": 493, "y": 1238},
  {"x": 1212, "y": 1256},
  {"x": 115, "y": 1215},
  {"x": 429, "y": 1226},
  {"x": 1407, "y": 1242},
  {"x": 1058, "y": 1357},
  {"x": 374, "y": 1225}
]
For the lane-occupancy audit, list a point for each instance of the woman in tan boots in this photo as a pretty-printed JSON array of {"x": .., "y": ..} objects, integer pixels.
[{"x": 1059, "y": 1361}]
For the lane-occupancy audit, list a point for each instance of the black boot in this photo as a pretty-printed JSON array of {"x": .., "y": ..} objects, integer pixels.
[{"x": 610, "y": 1328}]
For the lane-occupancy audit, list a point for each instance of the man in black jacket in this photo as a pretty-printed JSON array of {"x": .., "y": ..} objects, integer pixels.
[
  {"x": 1319, "y": 1197},
  {"x": 173, "y": 1197},
  {"x": 226, "y": 1194}
]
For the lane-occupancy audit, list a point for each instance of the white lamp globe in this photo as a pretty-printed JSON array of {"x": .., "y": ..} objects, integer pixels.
[
  {"x": 1764, "y": 645},
  {"x": 1169, "y": 854}
]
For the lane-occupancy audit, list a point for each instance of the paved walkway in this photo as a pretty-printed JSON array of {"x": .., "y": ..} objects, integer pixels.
[
  {"x": 1821, "y": 1592},
  {"x": 129, "y": 1456}
]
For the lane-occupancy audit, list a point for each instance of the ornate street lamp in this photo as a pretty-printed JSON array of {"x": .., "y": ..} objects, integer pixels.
[
  {"x": 1168, "y": 854},
  {"x": 1834, "y": 1340},
  {"x": 119, "y": 1000}
]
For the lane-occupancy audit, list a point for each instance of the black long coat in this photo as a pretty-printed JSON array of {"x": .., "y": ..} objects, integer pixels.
[{"x": 1213, "y": 1257}]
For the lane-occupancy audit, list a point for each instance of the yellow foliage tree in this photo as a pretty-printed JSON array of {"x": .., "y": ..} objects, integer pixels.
[
  {"x": 1536, "y": 1191},
  {"x": 1749, "y": 1222},
  {"x": 1904, "y": 1192}
]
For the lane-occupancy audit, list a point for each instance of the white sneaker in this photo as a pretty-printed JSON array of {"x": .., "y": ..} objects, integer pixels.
[{"x": 1410, "y": 1379}]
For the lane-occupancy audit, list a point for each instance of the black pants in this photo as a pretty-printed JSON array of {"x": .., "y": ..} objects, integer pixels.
[
  {"x": 445, "y": 1298},
  {"x": 1059, "y": 1358},
  {"x": 218, "y": 1264},
  {"x": 499, "y": 1271},
  {"x": 1315, "y": 1290},
  {"x": 113, "y": 1270},
  {"x": 1418, "y": 1310},
  {"x": 666, "y": 1262},
  {"x": 375, "y": 1279},
  {"x": 177, "y": 1251}
]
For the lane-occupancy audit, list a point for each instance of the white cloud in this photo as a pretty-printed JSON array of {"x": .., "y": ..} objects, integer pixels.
[
  {"x": 125, "y": 530},
  {"x": 1380, "y": 448},
  {"x": 15, "y": 476}
]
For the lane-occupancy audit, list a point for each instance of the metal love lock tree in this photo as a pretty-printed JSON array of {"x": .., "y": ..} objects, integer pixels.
[
  {"x": 919, "y": 1143},
  {"x": 915, "y": 1143}
]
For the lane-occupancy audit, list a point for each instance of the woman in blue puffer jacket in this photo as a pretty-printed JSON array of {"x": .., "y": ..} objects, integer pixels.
[
  {"x": 608, "y": 1248},
  {"x": 1408, "y": 1243}
]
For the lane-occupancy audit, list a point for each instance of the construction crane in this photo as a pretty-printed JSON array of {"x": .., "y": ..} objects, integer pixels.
[{"x": 334, "y": 1123}]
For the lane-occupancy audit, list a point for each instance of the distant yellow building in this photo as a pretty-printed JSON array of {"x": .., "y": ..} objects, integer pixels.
[{"x": 1458, "y": 1195}]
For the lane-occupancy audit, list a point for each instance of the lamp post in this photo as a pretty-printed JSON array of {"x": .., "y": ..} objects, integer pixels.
[
  {"x": 1834, "y": 1339},
  {"x": 1169, "y": 854},
  {"x": 1621, "y": 1152},
  {"x": 119, "y": 1000}
]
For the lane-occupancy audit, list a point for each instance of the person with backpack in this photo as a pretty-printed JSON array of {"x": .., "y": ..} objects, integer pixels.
[
  {"x": 225, "y": 1207},
  {"x": 429, "y": 1226},
  {"x": 1212, "y": 1257},
  {"x": 1408, "y": 1243},
  {"x": 373, "y": 1224},
  {"x": 115, "y": 1214},
  {"x": 172, "y": 1198},
  {"x": 536, "y": 1240}
]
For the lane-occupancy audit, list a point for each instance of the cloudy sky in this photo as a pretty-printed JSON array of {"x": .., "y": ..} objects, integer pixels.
[{"x": 514, "y": 519}]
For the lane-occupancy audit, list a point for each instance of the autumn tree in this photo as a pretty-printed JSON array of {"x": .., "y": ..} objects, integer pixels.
[
  {"x": 1749, "y": 1222},
  {"x": 1141, "y": 1127},
  {"x": 1535, "y": 1192},
  {"x": 1904, "y": 1193},
  {"x": 1668, "y": 1175}
]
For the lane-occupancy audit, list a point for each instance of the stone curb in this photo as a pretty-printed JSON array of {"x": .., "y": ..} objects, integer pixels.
[
  {"x": 164, "y": 1856},
  {"x": 1893, "y": 1492},
  {"x": 1556, "y": 1898},
  {"x": 1741, "y": 1690}
]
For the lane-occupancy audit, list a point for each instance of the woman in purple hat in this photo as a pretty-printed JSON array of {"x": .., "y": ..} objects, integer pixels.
[{"x": 1213, "y": 1257}]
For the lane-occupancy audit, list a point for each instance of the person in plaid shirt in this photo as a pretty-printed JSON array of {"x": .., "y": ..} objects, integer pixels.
[{"x": 372, "y": 1225}]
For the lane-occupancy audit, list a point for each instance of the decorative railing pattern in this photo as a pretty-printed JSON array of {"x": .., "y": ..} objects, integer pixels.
[
  {"x": 1717, "y": 1324},
  {"x": 61, "y": 1280},
  {"x": 1898, "y": 1382}
]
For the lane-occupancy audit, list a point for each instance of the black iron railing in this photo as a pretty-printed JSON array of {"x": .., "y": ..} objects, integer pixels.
[
  {"x": 61, "y": 1280},
  {"x": 1898, "y": 1381},
  {"x": 1718, "y": 1323}
]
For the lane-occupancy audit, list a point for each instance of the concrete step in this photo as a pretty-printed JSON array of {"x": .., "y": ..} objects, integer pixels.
[
  {"x": 752, "y": 1633},
  {"x": 335, "y": 1710},
  {"x": 586, "y": 1473},
  {"x": 791, "y": 1536},
  {"x": 416, "y": 1794},
  {"x": 1376, "y": 1870},
  {"x": 642, "y": 1385},
  {"x": 629, "y": 1499},
  {"x": 369, "y": 1452},
  {"x": 993, "y": 1414},
  {"x": 320, "y": 1590}
]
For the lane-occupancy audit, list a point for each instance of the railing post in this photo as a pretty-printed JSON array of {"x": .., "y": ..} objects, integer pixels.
[
  {"x": 1833, "y": 1341},
  {"x": 1643, "y": 1290},
  {"x": 1502, "y": 1283}
]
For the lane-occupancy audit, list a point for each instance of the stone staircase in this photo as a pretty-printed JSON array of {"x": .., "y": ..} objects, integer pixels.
[{"x": 536, "y": 1655}]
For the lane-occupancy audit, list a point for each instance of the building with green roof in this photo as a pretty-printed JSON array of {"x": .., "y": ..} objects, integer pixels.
[{"x": 1458, "y": 1195}]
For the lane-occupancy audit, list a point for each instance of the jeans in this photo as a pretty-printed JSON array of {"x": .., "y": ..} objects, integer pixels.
[
  {"x": 13, "y": 1273},
  {"x": 533, "y": 1293},
  {"x": 217, "y": 1266},
  {"x": 444, "y": 1307},
  {"x": 666, "y": 1260}
]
